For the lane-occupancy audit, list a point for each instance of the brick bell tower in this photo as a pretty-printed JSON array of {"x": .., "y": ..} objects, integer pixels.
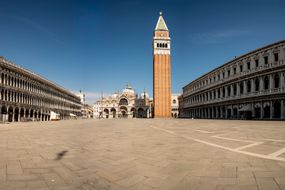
[{"x": 161, "y": 70}]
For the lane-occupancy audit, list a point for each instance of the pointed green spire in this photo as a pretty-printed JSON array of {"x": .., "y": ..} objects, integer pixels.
[{"x": 160, "y": 25}]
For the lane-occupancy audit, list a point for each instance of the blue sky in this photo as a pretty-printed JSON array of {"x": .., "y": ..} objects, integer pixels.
[{"x": 100, "y": 45}]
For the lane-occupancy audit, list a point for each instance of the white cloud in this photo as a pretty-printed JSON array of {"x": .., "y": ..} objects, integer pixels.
[{"x": 218, "y": 36}]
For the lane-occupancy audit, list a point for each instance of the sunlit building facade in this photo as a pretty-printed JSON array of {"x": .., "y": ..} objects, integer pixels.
[
  {"x": 26, "y": 96},
  {"x": 124, "y": 105},
  {"x": 251, "y": 86}
]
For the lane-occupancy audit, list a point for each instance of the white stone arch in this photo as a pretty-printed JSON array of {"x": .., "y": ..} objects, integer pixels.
[{"x": 123, "y": 101}]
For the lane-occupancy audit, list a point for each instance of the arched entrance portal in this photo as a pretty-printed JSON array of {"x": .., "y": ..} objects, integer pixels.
[
  {"x": 140, "y": 113},
  {"x": 277, "y": 109},
  {"x": 123, "y": 112},
  {"x": 257, "y": 111},
  {"x": 32, "y": 114},
  {"x": 133, "y": 110},
  {"x": 22, "y": 114},
  {"x": 106, "y": 113},
  {"x": 113, "y": 111},
  {"x": 4, "y": 113},
  {"x": 267, "y": 111},
  {"x": 10, "y": 114},
  {"x": 16, "y": 114}
]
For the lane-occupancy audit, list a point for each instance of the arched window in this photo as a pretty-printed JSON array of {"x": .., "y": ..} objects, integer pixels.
[
  {"x": 229, "y": 90},
  {"x": 174, "y": 101},
  {"x": 248, "y": 84},
  {"x": 241, "y": 87},
  {"x": 266, "y": 83},
  {"x": 235, "y": 89},
  {"x": 166, "y": 45},
  {"x": 123, "y": 101},
  {"x": 257, "y": 84},
  {"x": 276, "y": 81}
]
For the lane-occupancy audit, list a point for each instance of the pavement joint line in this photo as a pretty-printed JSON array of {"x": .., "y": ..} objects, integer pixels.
[
  {"x": 269, "y": 157},
  {"x": 277, "y": 153},
  {"x": 274, "y": 140},
  {"x": 239, "y": 140},
  {"x": 203, "y": 131},
  {"x": 249, "y": 145}
]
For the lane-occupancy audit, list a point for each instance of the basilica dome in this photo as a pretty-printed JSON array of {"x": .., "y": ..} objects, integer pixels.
[
  {"x": 144, "y": 94},
  {"x": 129, "y": 91},
  {"x": 115, "y": 95}
]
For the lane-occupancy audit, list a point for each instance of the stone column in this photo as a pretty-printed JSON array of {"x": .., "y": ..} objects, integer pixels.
[
  {"x": 261, "y": 84},
  {"x": 208, "y": 116},
  {"x": 238, "y": 115},
  {"x": 271, "y": 110},
  {"x": 238, "y": 89},
  {"x": 282, "y": 110},
  {"x": 244, "y": 87},
  {"x": 13, "y": 114},
  {"x": 253, "y": 110},
  {"x": 282, "y": 81},
  {"x": 226, "y": 116},
  {"x": 19, "y": 114},
  {"x": 270, "y": 82},
  {"x": 232, "y": 90},
  {"x": 252, "y": 85}
]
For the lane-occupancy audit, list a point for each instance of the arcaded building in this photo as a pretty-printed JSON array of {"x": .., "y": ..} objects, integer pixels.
[
  {"x": 26, "y": 96},
  {"x": 251, "y": 86}
]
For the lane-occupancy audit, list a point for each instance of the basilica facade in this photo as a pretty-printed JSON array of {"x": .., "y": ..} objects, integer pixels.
[{"x": 124, "y": 105}]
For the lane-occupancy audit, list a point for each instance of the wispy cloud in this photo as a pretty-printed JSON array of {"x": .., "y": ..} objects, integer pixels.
[
  {"x": 36, "y": 26},
  {"x": 218, "y": 36}
]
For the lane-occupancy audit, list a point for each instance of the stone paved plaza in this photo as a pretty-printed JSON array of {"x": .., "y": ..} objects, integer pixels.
[{"x": 143, "y": 154}]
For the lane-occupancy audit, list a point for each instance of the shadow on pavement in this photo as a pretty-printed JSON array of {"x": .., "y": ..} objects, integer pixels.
[{"x": 60, "y": 155}]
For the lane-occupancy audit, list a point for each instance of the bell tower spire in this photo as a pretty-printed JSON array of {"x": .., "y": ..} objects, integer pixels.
[{"x": 161, "y": 69}]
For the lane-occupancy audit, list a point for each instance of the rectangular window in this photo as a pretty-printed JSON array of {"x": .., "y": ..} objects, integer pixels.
[
  {"x": 266, "y": 60},
  {"x": 235, "y": 71},
  {"x": 256, "y": 63},
  {"x": 240, "y": 68},
  {"x": 276, "y": 57},
  {"x": 248, "y": 65},
  {"x": 229, "y": 73},
  {"x": 223, "y": 74}
]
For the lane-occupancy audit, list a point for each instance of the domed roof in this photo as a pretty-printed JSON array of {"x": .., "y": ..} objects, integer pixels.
[
  {"x": 129, "y": 91},
  {"x": 144, "y": 94},
  {"x": 115, "y": 95}
]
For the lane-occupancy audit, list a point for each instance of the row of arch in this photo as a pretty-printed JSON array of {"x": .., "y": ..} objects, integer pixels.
[
  {"x": 12, "y": 77},
  {"x": 267, "y": 82},
  {"x": 257, "y": 110},
  {"x": 162, "y": 45},
  {"x": 123, "y": 112},
  {"x": 16, "y": 114},
  {"x": 29, "y": 99},
  {"x": 253, "y": 63}
]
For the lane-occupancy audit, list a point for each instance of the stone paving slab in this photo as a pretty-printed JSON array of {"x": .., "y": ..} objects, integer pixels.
[{"x": 142, "y": 154}]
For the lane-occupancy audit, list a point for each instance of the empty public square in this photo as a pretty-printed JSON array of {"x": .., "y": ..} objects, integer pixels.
[{"x": 143, "y": 154}]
